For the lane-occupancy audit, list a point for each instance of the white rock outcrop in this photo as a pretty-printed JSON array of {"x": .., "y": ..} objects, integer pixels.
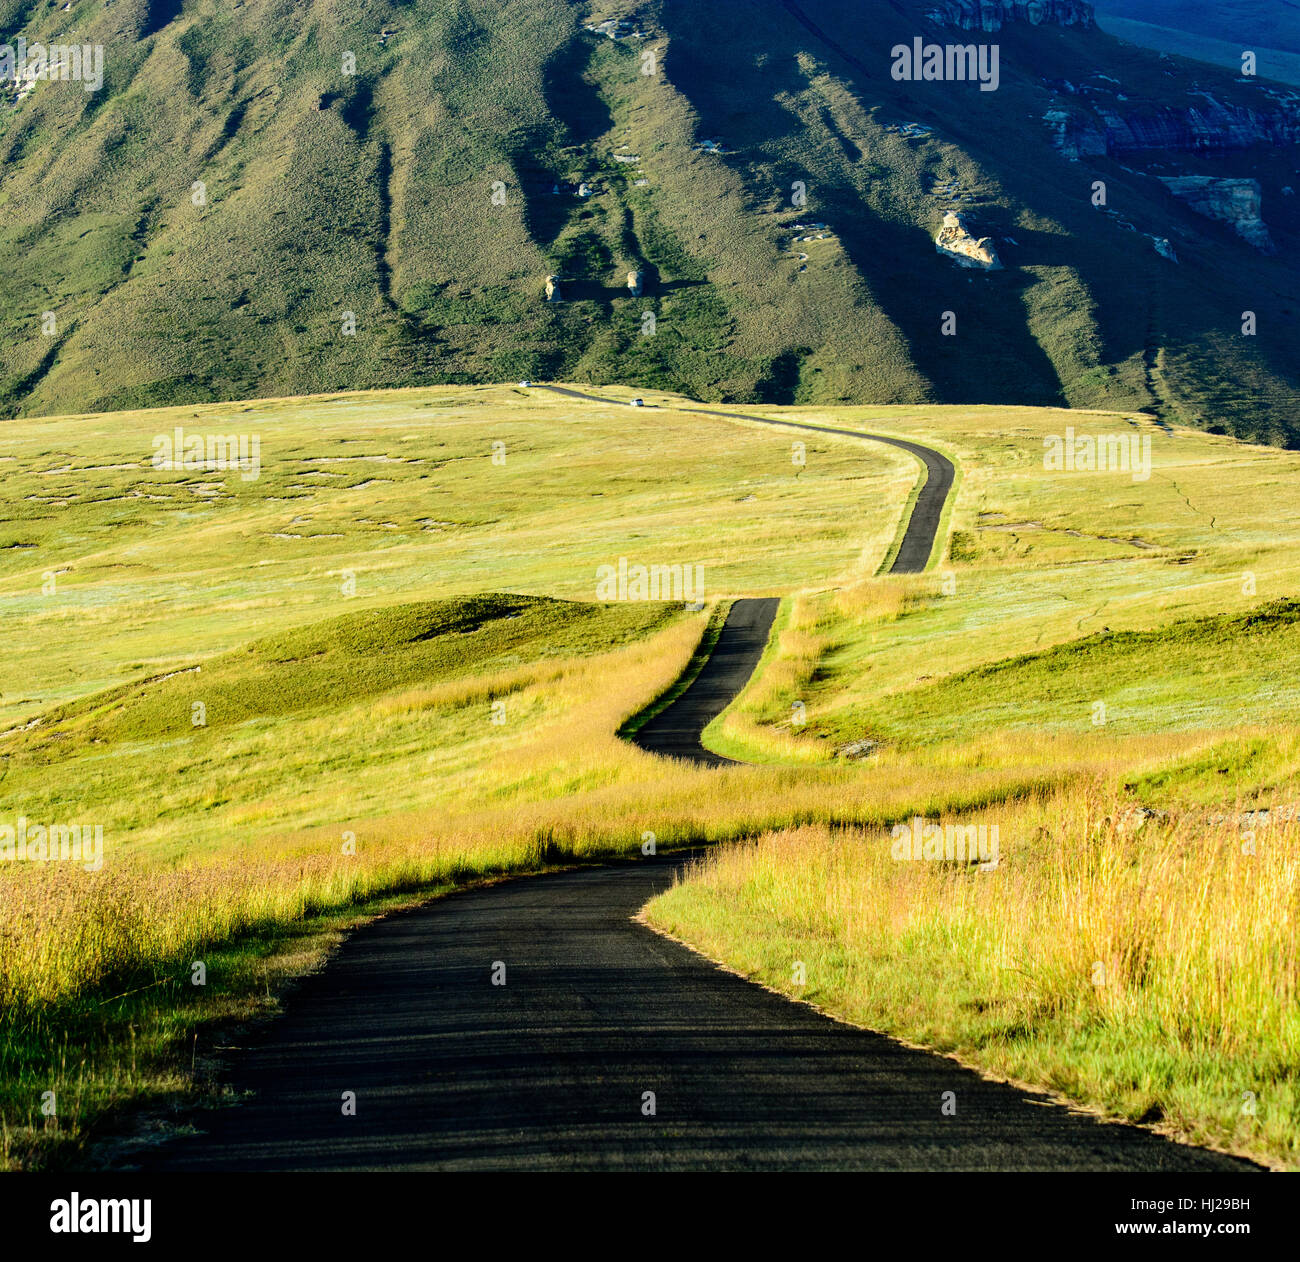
[{"x": 1164, "y": 247}]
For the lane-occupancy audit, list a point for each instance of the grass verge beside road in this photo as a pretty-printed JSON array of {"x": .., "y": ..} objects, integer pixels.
[{"x": 1139, "y": 965}]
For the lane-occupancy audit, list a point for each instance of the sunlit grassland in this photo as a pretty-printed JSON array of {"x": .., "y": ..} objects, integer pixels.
[
  {"x": 471, "y": 735},
  {"x": 334, "y": 722},
  {"x": 1046, "y": 630},
  {"x": 154, "y": 569},
  {"x": 1084, "y": 587},
  {"x": 257, "y": 837},
  {"x": 420, "y": 735},
  {"x": 1142, "y": 966}
]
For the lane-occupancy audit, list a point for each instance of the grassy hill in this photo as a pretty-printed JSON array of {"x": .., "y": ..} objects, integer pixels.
[
  {"x": 415, "y": 200},
  {"x": 416, "y": 495},
  {"x": 1089, "y": 586},
  {"x": 405, "y": 685}
]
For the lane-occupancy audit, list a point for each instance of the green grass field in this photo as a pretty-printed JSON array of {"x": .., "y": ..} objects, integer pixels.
[
  {"x": 399, "y": 490},
  {"x": 404, "y": 683},
  {"x": 1166, "y": 599}
]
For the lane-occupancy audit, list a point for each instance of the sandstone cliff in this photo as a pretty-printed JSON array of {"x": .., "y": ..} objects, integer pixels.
[
  {"x": 1205, "y": 127},
  {"x": 993, "y": 15}
]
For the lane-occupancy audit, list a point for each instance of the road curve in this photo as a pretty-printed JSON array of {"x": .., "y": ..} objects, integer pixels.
[
  {"x": 609, "y": 1047},
  {"x": 549, "y": 1071},
  {"x": 677, "y": 730},
  {"x": 927, "y": 510}
]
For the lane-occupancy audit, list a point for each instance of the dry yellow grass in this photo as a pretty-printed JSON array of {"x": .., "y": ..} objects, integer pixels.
[
  {"x": 750, "y": 729},
  {"x": 234, "y": 845},
  {"x": 1145, "y": 965},
  {"x": 555, "y": 787}
]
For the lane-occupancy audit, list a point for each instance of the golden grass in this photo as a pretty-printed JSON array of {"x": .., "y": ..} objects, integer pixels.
[
  {"x": 245, "y": 846},
  {"x": 557, "y": 785},
  {"x": 1144, "y": 965},
  {"x": 766, "y": 723}
]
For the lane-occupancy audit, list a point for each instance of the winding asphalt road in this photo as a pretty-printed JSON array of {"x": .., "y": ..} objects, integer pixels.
[
  {"x": 677, "y": 731},
  {"x": 534, "y": 1024},
  {"x": 927, "y": 510},
  {"x": 549, "y": 1071}
]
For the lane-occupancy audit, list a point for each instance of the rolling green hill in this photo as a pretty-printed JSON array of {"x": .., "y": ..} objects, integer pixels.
[{"x": 210, "y": 224}]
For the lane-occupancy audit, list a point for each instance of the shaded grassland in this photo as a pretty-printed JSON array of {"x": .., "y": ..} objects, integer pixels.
[{"x": 422, "y": 735}]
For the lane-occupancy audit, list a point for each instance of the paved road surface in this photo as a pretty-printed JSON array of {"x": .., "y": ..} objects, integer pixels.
[
  {"x": 927, "y": 512},
  {"x": 549, "y": 1070},
  {"x": 677, "y": 730}
]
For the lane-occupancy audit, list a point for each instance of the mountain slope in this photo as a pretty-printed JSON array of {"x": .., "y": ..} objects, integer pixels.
[{"x": 425, "y": 198}]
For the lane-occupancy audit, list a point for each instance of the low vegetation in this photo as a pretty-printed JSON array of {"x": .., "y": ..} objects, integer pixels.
[{"x": 464, "y": 740}]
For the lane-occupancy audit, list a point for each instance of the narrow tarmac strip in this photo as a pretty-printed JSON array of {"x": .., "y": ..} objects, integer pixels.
[
  {"x": 550, "y": 1070},
  {"x": 534, "y": 1024},
  {"x": 677, "y": 731}
]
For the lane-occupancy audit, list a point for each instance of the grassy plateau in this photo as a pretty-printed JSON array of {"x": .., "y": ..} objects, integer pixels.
[{"x": 378, "y": 670}]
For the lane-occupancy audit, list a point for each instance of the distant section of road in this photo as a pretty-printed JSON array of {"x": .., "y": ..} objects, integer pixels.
[
  {"x": 678, "y": 730},
  {"x": 927, "y": 511}
]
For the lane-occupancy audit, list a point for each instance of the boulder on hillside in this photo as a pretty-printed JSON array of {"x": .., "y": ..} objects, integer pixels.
[{"x": 956, "y": 242}]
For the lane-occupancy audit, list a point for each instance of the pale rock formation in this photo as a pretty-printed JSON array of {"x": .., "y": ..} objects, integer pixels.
[
  {"x": 956, "y": 242},
  {"x": 1232, "y": 201},
  {"x": 1164, "y": 247}
]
